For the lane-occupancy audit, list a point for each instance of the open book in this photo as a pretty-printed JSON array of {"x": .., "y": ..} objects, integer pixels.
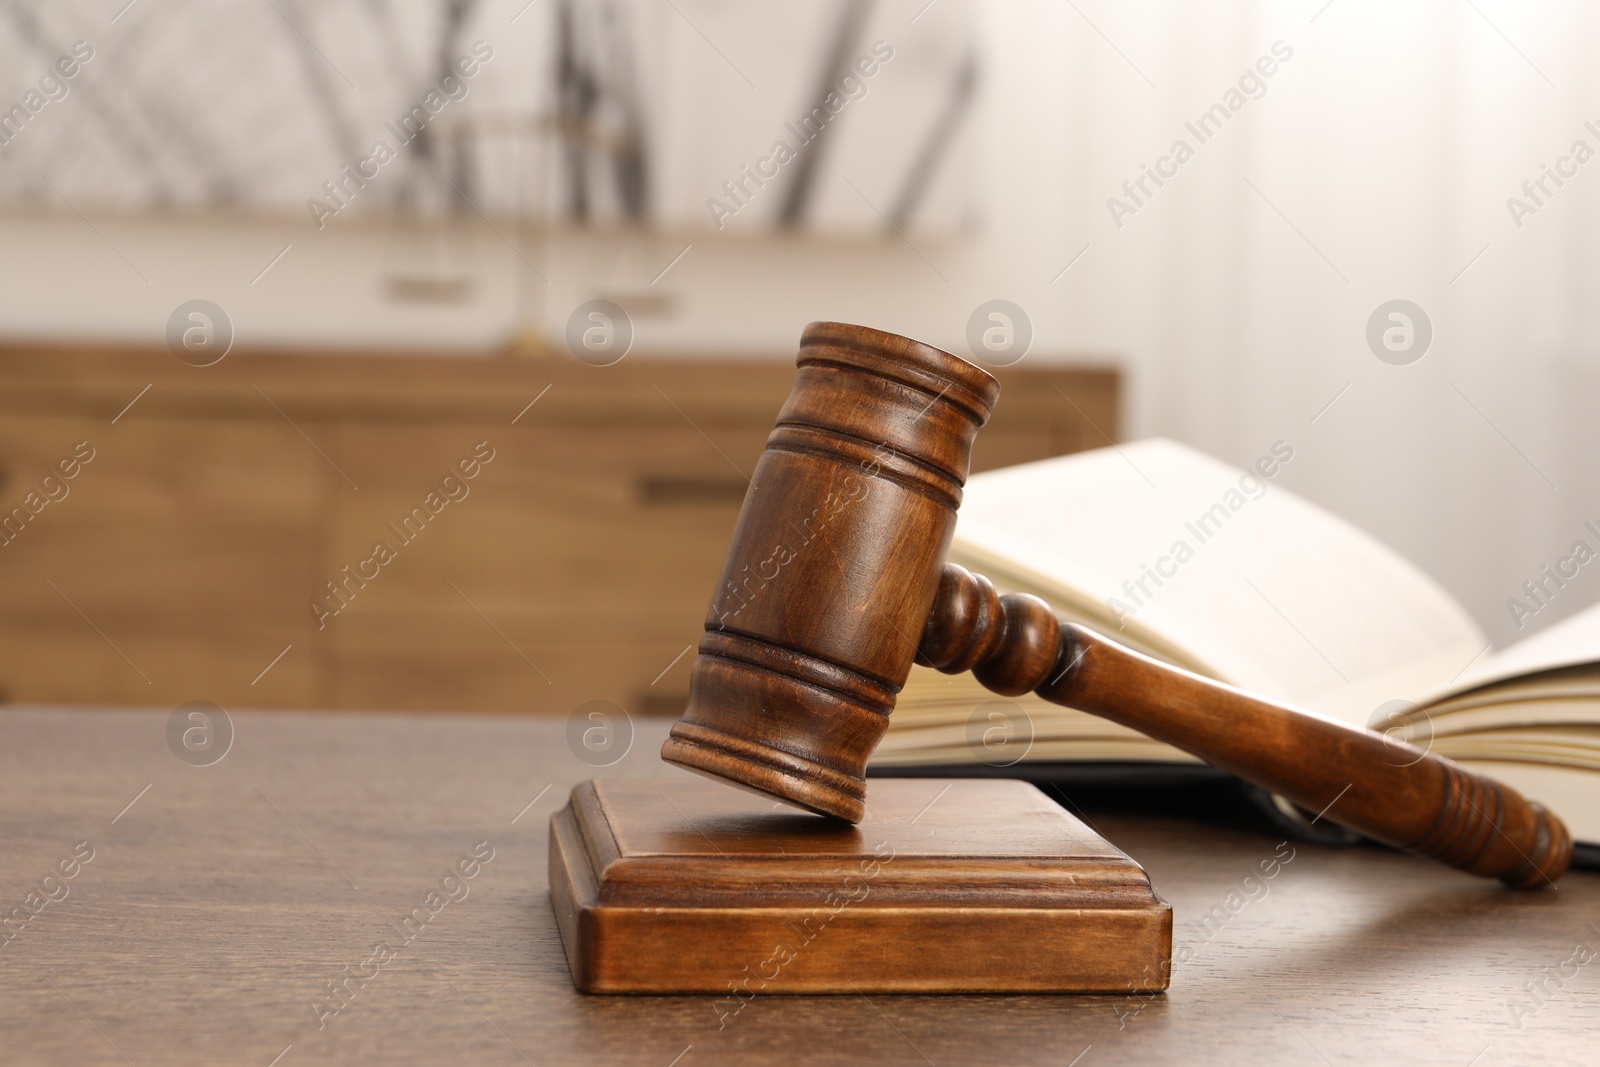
[{"x": 1226, "y": 574}]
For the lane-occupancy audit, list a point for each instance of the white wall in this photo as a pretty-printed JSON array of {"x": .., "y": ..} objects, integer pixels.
[{"x": 1390, "y": 141}]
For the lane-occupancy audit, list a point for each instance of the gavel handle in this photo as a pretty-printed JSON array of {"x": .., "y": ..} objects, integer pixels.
[{"x": 1386, "y": 789}]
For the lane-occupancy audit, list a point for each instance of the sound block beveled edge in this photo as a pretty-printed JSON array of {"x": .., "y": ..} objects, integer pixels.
[{"x": 686, "y": 886}]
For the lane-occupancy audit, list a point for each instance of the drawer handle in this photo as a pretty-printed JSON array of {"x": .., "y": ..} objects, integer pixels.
[{"x": 663, "y": 490}]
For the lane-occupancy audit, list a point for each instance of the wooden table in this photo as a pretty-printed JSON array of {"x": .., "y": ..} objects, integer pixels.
[{"x": 221, "y": 900}]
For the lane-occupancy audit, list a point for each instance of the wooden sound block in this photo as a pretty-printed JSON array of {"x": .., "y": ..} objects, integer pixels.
[{"x": 688, "y": 886}]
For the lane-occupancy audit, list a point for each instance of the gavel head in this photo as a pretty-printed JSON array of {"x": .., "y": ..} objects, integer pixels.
[{"x": 816, "y": 617}]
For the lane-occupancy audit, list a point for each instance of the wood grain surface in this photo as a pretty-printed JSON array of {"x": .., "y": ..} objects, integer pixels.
[
  {"x": 220, "y": 904},
  {"x": 217, "y": 507},
  {"x": 976, "y": 886}
]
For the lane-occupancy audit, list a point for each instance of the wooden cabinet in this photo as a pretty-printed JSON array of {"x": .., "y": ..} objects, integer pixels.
[{"x": 576, "y": 563}]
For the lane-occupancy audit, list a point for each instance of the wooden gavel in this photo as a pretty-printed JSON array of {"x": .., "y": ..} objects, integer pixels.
[{"x": 836, "y": 583}]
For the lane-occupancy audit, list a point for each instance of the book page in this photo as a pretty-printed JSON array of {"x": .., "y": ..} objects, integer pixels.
[
  {"x": 1569, "y": 643},
  {"x": 1517, "y": 710},
  {"x": 1223, "y": 571},
  {"x": 1574, "y": 746}
]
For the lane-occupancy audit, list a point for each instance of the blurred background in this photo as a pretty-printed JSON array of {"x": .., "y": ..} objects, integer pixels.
[{"x": 280, "y": 269}]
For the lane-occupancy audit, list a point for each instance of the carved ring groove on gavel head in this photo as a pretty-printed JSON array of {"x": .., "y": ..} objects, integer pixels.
[{"x": 834, "y": 566}]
